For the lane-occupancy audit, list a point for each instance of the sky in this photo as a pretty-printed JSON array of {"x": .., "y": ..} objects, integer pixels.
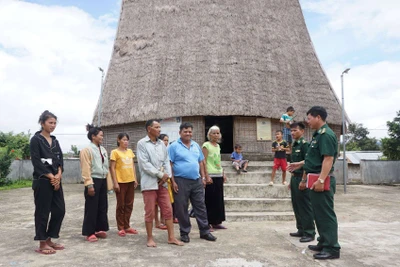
[{"x": 50, "y": 51}]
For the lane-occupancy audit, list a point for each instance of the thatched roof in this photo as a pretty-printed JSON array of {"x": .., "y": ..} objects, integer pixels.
[{"x": 207, "y": 57}]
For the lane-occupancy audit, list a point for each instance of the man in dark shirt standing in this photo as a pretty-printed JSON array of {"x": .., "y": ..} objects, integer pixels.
[
  {"x": 300, "y": 194},
  {"x": 280, "y": 147}
]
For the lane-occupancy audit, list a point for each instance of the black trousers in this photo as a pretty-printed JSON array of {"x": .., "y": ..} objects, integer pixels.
[
  {"x": 96, "y": 207},
  {"x": 47, "y": 201},
  {"x": 214, "y": 199}
]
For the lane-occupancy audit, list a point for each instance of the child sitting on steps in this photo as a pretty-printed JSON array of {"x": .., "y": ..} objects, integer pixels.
[{"x": 237, "y": 160}]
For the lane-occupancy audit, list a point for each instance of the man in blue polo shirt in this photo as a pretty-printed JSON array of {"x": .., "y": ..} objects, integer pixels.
[{"x": 187, "y": 163}]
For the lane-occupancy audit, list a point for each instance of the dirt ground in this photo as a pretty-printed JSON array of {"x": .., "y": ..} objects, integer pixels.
[{"x": 369, "y": 233}]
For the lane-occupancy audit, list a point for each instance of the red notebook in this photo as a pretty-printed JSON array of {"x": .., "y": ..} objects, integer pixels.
[{"x": 313, "y": 177}]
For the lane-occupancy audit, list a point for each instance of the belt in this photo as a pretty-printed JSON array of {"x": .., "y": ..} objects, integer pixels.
[
  {"x": 329, "y": 174},
  {"x": 185, "y": 178}
]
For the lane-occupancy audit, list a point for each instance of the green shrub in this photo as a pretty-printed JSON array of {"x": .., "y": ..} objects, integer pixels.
[
  {"x": 6, "y": 159},
  {"x": 12, "y": 146}
]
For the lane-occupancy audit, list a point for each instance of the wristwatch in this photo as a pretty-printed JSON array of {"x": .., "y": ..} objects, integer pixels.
[
  {"x": 203, "y": 178},
  {"x": 321, "y": 181},
  {"x": 89, "y": 186}
]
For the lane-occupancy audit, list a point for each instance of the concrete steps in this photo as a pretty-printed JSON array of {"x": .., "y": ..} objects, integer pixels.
[
  {"x": 248, "y": 197},
  {"x": 248, "y": 178},
  {"x": 257, "y": 204},
  {"x": 259, "y": 216},
  {"x": 256, "y": 191},
  {"x": 254, "y": 166}
]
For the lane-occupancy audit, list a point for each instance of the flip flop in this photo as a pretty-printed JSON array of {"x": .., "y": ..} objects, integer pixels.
[
  {"x": 92, "y": 238},
  {"x": 131, "y": 231},
  {"x": 175, "y": 220},
  {"x": 57, "y": 246},
  {"x": 162, "y": 227},
  {"x": 122, "y": 233},
  {"x": 42, "y": 251},
  {"x": 219, "y": 226},
  {"x": 100, "y": 234}
]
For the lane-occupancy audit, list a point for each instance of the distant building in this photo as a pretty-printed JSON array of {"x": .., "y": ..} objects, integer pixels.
[{"x": 354, "y": 159}]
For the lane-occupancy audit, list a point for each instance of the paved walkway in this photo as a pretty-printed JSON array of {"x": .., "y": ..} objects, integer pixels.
[{"x": 369, "y": 233}]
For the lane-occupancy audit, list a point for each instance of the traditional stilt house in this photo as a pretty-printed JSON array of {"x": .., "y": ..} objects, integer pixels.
[{"x": 238, "y": 64}]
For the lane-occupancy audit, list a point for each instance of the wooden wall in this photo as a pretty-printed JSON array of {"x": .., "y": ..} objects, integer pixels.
[
  {"x": 137, "y": 131},
  {"x": 244, "y": 133}
]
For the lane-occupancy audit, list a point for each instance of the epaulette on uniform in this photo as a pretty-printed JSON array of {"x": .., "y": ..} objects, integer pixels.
[{"x": 322, "y": 131}]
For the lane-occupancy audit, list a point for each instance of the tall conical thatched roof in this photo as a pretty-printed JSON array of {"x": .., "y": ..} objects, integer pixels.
[{"x": 207, "y": 57}]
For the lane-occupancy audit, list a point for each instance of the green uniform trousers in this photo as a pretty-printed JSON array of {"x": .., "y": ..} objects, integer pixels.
[
  {"x": 325, "y": 218},
  {"x": 302, "y": 208}
]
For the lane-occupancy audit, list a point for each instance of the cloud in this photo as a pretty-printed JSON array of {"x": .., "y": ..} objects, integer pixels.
[
  {"x": 49, "y": 59},
  {"x": 367, "y": 27},
  {"x": 367, "y": 18},
  {"x": 363, "y": 35},
  {"x": 371, "y": 93}
]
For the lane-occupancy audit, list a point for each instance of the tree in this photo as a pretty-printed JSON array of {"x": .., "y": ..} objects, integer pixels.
[
  {"x": 358, "y": 140},
  {"x": 391, "y": 144},
  {"x": 12, "y": 146},
  {"x": 17, "y": 143},
  {"x": 5, "y": 163},
  {"x": 75, "y": 150}
]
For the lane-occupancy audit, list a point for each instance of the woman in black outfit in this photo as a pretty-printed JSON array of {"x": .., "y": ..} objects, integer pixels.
[{"x": 47, "y": 161}]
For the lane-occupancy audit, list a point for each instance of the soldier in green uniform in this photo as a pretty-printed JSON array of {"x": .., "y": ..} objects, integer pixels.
[
  {"x": 300, "y": 194},
  {"x": 320, "y": 158}
]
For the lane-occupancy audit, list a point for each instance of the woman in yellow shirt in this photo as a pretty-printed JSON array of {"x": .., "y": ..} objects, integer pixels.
[{"x": 124, "y": 178}]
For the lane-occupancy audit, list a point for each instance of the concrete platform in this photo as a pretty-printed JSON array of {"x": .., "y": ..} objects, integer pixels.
[
  {"x": 256, "y": 191},
  {"x": 369, "y": 233},
  {"x": 248, "y": 178},
  {"x": 257, "y": 204}
]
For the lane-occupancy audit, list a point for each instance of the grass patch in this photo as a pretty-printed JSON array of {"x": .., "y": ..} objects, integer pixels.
[{"x": 16, "y": 184}]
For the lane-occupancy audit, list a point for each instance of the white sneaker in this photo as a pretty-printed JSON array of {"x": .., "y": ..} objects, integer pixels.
[{"x": 271, "y": 183}]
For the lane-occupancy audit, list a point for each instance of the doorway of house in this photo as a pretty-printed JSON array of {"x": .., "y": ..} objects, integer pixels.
[{"x": 225, "y": 123}]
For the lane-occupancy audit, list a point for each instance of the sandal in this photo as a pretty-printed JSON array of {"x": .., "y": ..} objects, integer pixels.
[
  {"x": 131, "y": 231},
  {"x": 100, "y": 234},
  {"x": 175, "y": 220},
  {"x": 91, "y": 238},
  {"x": 45, "y": 251},
  {"x": 57, "y": 246},
  {"x": 122, "y": 233},
  {"x": 162, "y": 226}
]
